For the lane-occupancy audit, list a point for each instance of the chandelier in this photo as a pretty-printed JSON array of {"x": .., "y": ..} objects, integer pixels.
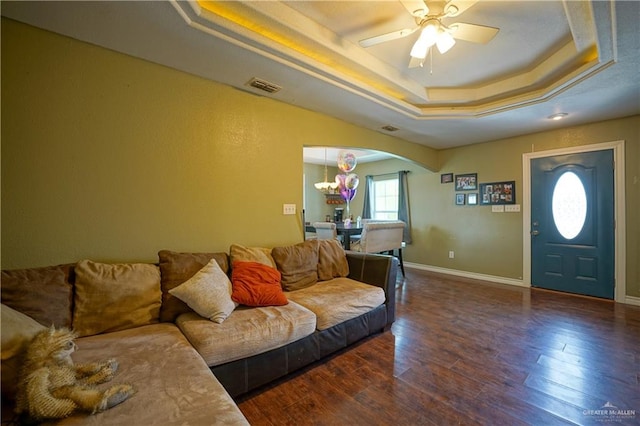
[{"x": 326, "y": 187}]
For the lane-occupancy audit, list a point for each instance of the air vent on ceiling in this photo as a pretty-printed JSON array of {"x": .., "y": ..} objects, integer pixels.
[
  {"x": 389, "y": 128},
  {"x": 263, "y": 85}
]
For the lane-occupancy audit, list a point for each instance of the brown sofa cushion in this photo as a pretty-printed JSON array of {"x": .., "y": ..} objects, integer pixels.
[
  {"x": 298, "y": 264},
  {"x": 45, "y": 294},
  {"x": 332, "y": 260},
  {"x": 112, "y": 297},
  {"x": 176, "y": 268}
]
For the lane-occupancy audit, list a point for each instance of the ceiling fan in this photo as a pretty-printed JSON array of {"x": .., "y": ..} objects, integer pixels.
[{"x": 428, "y": 15}]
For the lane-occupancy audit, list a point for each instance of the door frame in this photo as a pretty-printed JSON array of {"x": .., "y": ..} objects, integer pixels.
[{"x": 619, "y": 209}]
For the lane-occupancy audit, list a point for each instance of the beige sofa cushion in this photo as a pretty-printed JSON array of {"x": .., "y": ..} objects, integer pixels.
[
  {"x": 208, "y": 293},
  {"x": 247, "y": 331},
  {"x": 111, "y": 297},
  {"x": 173, "y": 384},
  {"x": 239, "y": 253},
  {"x": 17, "y": 331},
  {"x": 338, "y": 300},
  {"x": 177, "y": 268},
  {"x": 298, "y": 264},
  {"x": 45, "y": 294},
  {"x": 332, "y": 260}
]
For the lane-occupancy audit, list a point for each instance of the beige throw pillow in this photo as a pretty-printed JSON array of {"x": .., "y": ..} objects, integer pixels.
[
  {"x": 111, "y": 297},
  {"x": 239, "y": 253},
  {"x": 176, "y": 268},
  {"x": 298, "y": 264},
  {"x": 208, "y": 293},
  {"x": 332, "y": 260}
]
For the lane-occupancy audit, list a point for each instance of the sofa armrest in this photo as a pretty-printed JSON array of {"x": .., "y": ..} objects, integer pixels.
[{"x": 378, "y": 270}]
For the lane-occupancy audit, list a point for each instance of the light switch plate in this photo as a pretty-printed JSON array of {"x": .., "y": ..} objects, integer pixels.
[
  {"x": 288, "y": 209},
  {"x": 497, "y": 209},
  {"x": 512, "y": 208}
]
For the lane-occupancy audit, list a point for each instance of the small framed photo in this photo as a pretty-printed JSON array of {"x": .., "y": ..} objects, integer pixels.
[
  {"x": 472, "y": 199},
  {"x": 460, "y": 199},
  {"x": 446, "y": 178},
  {"x": 467, "y": 182}
]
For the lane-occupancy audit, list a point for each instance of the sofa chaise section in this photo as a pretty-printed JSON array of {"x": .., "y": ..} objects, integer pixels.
[{"x": 173, "y": 384}]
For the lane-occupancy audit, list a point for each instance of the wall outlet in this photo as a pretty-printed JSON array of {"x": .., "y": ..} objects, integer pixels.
[
  {"x": 512, "y": 208},
  {"x": 288, "y": 209},
  {"x": 451, "y": 254}
]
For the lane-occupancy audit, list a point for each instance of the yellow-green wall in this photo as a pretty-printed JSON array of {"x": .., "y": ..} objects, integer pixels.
[
  {"x": 112, "y": 158},
  {"x": 490, "y": 243}
]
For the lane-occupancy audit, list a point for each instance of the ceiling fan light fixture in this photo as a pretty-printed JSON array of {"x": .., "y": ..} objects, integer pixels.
[
  {"x": 445, "y": 42},
  {"x": 428, "y": 38}
]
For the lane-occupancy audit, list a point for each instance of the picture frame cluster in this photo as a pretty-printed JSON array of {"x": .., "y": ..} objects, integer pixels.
[{"x": 493, "y": 193}]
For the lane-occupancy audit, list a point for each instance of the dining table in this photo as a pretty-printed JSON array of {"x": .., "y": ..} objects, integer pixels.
[{"x": 345, "y": 231}]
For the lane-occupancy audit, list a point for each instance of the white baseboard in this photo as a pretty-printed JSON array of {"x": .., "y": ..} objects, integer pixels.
[
  {"x": 465, "y": 274},
  {"x": 632, "y": 300},
  {"x": 628, "y": 300}
]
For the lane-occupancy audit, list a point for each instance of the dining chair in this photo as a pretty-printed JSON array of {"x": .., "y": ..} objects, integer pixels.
[
  {"x": 381, "y": 237},
  {"x": 325, "y": 230}
]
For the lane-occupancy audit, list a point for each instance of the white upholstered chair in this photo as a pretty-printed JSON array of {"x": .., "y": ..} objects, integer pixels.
[
  {"x": 381, "y": 237},
  {"x": 325, "y": 230}
]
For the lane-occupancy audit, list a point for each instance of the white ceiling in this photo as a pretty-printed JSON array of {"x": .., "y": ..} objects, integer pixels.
[
  {"x": 578, "y": 57},
  {"x": 317, "y": 155}
]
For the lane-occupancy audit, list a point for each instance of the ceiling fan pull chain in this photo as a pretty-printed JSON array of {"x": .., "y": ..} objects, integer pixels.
[{"x": 430, "y": 61}]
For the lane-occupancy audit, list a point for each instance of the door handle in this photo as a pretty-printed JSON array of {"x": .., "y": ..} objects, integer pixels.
[{"x": 535, "y": 232}]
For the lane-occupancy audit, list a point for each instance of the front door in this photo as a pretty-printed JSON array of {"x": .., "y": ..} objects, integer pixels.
[{"x": 572, "y": 223}]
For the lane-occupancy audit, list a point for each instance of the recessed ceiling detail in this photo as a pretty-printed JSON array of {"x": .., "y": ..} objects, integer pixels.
[
  {"x": 578, "y": 57},
  {"x": 291, "y": 33}
]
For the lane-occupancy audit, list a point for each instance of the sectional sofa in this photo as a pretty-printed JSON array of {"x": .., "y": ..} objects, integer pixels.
[{"x": 197, "y": 329}]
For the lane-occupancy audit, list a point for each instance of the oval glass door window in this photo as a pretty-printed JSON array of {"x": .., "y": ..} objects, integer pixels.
[{"x": 569, "y": 205}]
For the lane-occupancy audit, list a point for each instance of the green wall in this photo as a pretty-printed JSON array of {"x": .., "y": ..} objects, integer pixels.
[
  {"x": 491, "y": 243},
  {"x": 109, "y": 157},
  {"x": 112, "y": 158}
]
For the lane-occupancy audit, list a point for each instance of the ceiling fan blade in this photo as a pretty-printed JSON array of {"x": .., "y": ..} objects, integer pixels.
[
  {"x": 457, "y": 7},
  {"x": 387, "y": 37},
  {"x": 417, "y": 8},
  {"x": 472, "y": 32}
]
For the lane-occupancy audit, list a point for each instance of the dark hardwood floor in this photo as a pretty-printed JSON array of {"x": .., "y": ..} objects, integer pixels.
[{"x": 469, "y": 352}]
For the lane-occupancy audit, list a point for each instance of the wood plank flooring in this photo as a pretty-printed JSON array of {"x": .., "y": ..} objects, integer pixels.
[{"x": 472, "y": 353}]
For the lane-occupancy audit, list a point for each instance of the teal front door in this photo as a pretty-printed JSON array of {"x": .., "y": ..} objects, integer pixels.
[{"x": 572, "y": 223}]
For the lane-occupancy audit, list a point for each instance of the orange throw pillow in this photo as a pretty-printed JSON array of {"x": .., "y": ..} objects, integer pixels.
[{"x": 256, "y": 284}]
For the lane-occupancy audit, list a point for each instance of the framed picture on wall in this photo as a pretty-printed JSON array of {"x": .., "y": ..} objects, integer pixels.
[
  {"x": 460, "y": 199},
  {"x": 467, "y": 182},
  {"x": 498, "y": 193},
  {"x": 472, "y": 199},
  {"x": 446, "y": 178}
]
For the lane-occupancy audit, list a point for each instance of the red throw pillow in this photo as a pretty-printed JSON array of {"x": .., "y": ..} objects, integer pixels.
[{"x": 255, "y": 284}]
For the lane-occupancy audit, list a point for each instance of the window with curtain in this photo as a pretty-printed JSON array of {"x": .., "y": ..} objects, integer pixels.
[{"x": 385, "y": 199}]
